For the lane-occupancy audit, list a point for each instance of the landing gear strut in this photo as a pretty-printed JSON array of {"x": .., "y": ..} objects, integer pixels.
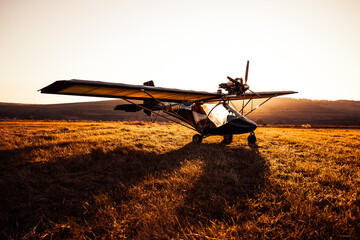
[
  {"x": 252, "y": 138},
  {"x": 197, "y": 138}
]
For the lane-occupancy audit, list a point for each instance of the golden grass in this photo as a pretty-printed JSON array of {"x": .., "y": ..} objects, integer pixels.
[{"x": 137, "y": 180}]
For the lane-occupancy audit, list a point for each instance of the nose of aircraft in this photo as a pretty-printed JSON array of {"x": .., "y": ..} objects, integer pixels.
[{"x": 245, "y": 124}]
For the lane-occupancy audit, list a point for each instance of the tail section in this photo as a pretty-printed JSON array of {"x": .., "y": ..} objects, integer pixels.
[
  {"x": 150, "y": 104},
  {"x": 149, "y": 83},
  {"x": 128, "y": 108}
]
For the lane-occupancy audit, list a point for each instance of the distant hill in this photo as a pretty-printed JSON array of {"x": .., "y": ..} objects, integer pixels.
[
  {"x": 102, "y": 110},
  {"x": 276, "y": 111},
  {"x": 303, "y": 111}
]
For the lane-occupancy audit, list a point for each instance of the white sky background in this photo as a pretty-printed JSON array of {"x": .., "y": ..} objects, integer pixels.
[{"x": 309, "y": 46}]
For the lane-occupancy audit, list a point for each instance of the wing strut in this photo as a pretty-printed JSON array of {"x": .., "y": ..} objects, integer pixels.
[
  {"x": 253, "y": 109},
  {"x": 145, "y": 108},
  {"x": 242, "y": 109},
  {"x": 170, "y": 110}
]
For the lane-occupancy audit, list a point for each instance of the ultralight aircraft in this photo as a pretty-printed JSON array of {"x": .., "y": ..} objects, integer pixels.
[{"x": 205, "y": 112}]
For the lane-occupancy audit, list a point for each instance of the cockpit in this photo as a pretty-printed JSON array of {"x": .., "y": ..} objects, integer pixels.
[{"x": 208, "y": 115}]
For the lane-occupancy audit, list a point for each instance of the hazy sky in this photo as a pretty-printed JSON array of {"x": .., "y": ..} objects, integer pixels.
[{"x": 310, "y": 46}]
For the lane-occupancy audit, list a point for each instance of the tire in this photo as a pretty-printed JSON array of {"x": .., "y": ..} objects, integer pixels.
[
  {"x": 252, "y": 138},
  {"x": 228, "y": 139},
  {"x": 197, "y": 138}
]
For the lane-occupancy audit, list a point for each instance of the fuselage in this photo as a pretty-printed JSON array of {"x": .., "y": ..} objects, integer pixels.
[{"x": 213, "y": 118}]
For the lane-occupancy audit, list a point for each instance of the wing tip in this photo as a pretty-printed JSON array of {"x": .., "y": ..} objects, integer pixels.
[{"x": 55, "y": 87}]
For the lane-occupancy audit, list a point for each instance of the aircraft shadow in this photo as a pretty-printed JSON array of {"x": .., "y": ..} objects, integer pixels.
[
  {"x": 227, "y": 181},
  {"x": 57, "y": 190}
]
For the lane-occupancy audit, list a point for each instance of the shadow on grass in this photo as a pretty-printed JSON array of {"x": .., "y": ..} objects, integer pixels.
[
  {"x": 33, "y": 195},
  {"x": 231, "y": 176}
]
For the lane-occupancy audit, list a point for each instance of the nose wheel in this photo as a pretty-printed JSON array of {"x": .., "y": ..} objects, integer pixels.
[
  {"x": 252, "y": 138},
  {"x": 197, "y": 138}
]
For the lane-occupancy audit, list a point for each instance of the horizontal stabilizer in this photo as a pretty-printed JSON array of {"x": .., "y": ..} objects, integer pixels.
[
  {"x": 128, "y": 108},
  {"x": 135, "y": 108}
]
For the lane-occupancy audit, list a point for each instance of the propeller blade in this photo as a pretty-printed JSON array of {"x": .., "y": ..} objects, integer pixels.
[
  {"x": 246, "y": 72},
  {"x": 254, "y": 93}
]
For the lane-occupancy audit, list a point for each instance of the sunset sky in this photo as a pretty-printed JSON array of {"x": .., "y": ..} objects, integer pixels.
[{"x": 309, "y": 46}]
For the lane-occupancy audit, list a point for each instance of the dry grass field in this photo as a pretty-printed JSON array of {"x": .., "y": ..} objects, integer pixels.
[{"x": 137, "y": 180}]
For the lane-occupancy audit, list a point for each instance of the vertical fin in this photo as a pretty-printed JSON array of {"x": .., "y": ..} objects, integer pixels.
[
  {"x": 149, "y": 102},
  {"x": 149, "y": 83}
]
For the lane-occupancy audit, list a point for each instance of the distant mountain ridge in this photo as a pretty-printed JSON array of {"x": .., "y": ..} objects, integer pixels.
[
  {"x": 278, "y": 111},
  {"x": 304, "y": 111},
  {"x": 101, "y": 110}
]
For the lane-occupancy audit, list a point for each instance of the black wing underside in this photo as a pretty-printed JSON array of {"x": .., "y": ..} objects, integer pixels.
[{"x": 141, "y": 92}]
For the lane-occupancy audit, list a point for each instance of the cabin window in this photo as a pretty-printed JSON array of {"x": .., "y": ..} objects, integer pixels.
[{"x": 200, "y": 115}]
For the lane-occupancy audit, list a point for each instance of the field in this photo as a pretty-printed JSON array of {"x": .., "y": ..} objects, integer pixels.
[{"x": 138, "y": 180}]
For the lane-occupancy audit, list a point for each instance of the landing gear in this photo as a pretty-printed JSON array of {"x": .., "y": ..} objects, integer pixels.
[
  {"x": 228, "y": 139},
  {"x": 197, "y": 138},
  {"x": 252, "y": 138}
]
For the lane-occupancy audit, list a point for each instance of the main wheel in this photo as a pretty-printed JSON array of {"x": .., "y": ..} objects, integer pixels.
[
  {"x": 252, "y": 138},
  {"x": 228, "y": 138},
  {"x": 197, "y": 138}
]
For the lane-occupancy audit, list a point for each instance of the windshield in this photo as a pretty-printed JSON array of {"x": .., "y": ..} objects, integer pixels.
[
  {"x": 232, "y": 110},
  {"x": 214, "y": 115}
]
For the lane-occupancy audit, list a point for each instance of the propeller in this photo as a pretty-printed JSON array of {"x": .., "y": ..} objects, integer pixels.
[
  {"x": 238, "y": 86},
  {"x": 246, "y": 78},
  {"x": 247, "y": 71}
]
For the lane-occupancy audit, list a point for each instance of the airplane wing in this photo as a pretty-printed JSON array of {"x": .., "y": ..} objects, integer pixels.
[
  {"x": 127, "y": 91},
  {"x": 141, "y": 92},
  {"x": 257, "y": 95}
]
